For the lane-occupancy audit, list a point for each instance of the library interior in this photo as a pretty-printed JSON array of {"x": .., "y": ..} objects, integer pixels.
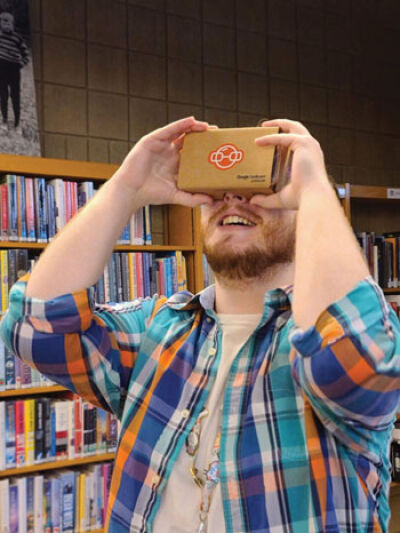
[{"x": 142, "y": 386}]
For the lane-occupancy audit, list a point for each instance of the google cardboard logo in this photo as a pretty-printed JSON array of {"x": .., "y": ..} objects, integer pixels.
[{"x": 226, "y": 156}]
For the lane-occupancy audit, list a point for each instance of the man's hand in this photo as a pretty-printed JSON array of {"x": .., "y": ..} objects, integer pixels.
[
  {"x": 308, "y": 167},
  {"x": 150, "y": 169}
]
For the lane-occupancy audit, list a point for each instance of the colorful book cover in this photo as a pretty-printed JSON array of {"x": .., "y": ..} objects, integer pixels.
[
  {"x": 39, "y": 431},
  {"x": 67, "y": 201},
  {"x": 21, "y": 209},
  {"x": 55, "y": 489},
  {"x": 47, "y": 430},
  {"x": 30, "y": 512},
  {"x": 47, "y": 504},
  {"x": 13, "y": 507},
  {"x": 12, "y": 207},
  {"x": 82, "y": 503},
  {"x": 41, "y": 209},
  {"x": 59, "y": 202},
  {"x": 101, "y": 431},
  {"x": 74, "y": 197},
  {"x": 61, "y": 414},
  {"x": 148, "y": 239},
  {"x": 4, "y": 279},
  {"x": 30, "y": 210},
  {"x": 9, "y": 372},
  {"x": 4, "y": 212},
  {"x": 26, "y": 376},
  {"x": 139, "y": 275},
  {"x": 29, "y": 431},
  {"x": 51, "y": 212},
  {"x": 20, "y": 432},
  {"x": 132, "y": 276},
  {"x": 67, "y": 480},
  {"x": 10, "y": 434}
]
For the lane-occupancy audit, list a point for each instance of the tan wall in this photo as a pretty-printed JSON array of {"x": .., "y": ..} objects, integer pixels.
[{"x": 109, "y": 71}]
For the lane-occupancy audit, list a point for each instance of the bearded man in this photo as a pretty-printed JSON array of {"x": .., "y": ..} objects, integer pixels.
[{"x": 263, "y": 404}]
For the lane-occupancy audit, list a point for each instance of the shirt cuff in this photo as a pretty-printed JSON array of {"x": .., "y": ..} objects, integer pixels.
[
  {"x": 68, "y": 313},
  {"x": 362, "y": 308}
]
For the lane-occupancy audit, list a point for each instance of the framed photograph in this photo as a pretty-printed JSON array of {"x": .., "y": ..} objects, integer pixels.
[{"x": 19, "y": 132}]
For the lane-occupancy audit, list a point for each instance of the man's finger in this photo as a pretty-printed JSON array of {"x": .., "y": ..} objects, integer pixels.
[
  {"x": 272, "y": 201},
  {"x": 191, "y": 200},
  {"x": 282, "y": 139},
  {"x": 288, "y": 126},
  {"x": 177, "y": 128}
]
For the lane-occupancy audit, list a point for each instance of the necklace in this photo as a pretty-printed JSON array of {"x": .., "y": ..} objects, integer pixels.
[{"x": 209, "y": 478}]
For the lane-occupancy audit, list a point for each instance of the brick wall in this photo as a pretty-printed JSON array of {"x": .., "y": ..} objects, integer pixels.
[{"x": 108, "y": 71}]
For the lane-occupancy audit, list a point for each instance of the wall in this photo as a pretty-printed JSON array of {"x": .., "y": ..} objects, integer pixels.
[{"x": 108, "y": 71}]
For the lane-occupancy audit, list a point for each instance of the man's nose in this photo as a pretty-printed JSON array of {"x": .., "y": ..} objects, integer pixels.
[{"x": 230, "y": 197}]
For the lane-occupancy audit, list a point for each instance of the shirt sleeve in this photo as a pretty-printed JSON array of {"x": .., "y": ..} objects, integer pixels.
[
  {"x": 87, "y": 348},
  {"x": 348, "y": 365}
]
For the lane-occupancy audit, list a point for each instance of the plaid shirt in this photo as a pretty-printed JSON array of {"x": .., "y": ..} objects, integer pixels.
[{"x": 307, "y": 415}]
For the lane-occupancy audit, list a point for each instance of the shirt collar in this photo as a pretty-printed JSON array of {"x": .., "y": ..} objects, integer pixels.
[{"x": 279, "y": 299}]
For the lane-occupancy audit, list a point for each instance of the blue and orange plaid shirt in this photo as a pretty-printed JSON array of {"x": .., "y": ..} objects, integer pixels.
[{"x": 307, "y": 415}]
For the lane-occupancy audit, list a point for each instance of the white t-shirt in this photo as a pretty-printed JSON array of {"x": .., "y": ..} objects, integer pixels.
[{"x": 180, "y": 501}]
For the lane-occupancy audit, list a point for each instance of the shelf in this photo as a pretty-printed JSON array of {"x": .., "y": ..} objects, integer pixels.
[
  {"x": 29, "y": 391},
  {"x": 56, "y": 465},
  {"x": 47, "y": 167},
  {"x": 392, "y": 291},
  {"x": 118, "y": 248}
]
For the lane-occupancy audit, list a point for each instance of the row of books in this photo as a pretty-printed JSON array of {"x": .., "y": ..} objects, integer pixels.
[
  {"x": 35, "y": 209},
  {"x": 14, "y": 374},
  {"x": 37, "y": 430},
  {"x": 130, "y": 275},
  {"x": 382, "y": 253},
  {"x": 71, "y": 501}
]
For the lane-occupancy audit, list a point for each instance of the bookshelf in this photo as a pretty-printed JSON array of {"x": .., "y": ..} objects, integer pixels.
[{"x": 178, "y": 231}]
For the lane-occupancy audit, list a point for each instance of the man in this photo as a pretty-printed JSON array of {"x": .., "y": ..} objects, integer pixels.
[
  {"x": 13, "y": 56},
  {"x": 262, "y": 404}
]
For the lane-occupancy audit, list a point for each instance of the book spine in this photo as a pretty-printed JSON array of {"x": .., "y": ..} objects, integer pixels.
[
  {"x": 10, "y": 453},
  {"x": 139, "y": 275},
  {"x": 38, "y": 504},
  {"x": 4, "y": 279},
  {"x": 39, "y": 431},
  {"x": 61, "y": 413},
  {"x": 4, "y": 212},
  {"x": 22, "y": 504},
  {"x": 30, "y": 516},
  {"x": 47, "y": 429},
  {"x": 26, "y": 376},
  {"x": 42, "y": 210},
  {"x": 20, "y": 432},
  {"x": 148, "y": 239},
  {"x": 29, "y": 431},
  {"x": 21, "y": 209},
  {"x": 56, "y": 507},
  {"x": 78, "y": 426},
  {"x": 12, "y": 208},
  {"x": 30, "y": 210},
  {"x": 47, "y": 504},
  {"x": 12, "y": 267},
  {"x": 13, "y": 507},
  {"x": 71, "y": 429},
  {"x": 67, "y": 504},
  {"x": 10, "y": 369}
]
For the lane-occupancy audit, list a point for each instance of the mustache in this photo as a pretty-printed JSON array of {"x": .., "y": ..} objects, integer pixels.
[{"x": 240, "y": 210}]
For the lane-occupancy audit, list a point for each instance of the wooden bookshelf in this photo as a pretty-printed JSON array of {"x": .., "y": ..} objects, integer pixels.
[
  {"x": 56, "y": 465},
  {"x": 32, "y": 391}
]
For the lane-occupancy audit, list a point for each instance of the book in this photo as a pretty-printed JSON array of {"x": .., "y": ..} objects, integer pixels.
[
  {"x": 4, "y": 279},
  {"x": 29, "y": 420},
  {"x": 67, "y": 482},
  {"x": 4, "y": 506},
  {"x": 39, "y": 431},
  {"x": 22, "y": 504},
  {"x": 10, "y": 452},
  {"x": 30, "y": 210},
  {"x": 21, "y": 209},
  {"x": 11, "y": 180},
  {"x": 41, "y": 209},
  {"x": 20, "y": 432},
  {"x": 2, "y": 432},
  {"x": 30, "y": 512},
  {"x": 4, "y": 212},
  {"x": 38, "y": 482},
  {"x": 61, "y": 429},
  {"x": 13, "y": 488}
]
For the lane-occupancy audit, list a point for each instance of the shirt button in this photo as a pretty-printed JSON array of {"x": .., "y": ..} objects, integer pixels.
[
  {"x": 212, "y": 351},
  {"x": 208, "y": 319},
  {"x": 156, "y": 479},
  {"x": 185, "y": 413}
]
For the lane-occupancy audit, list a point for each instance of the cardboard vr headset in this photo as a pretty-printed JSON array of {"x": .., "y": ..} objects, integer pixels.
[{"x": 227, "y": 159}]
